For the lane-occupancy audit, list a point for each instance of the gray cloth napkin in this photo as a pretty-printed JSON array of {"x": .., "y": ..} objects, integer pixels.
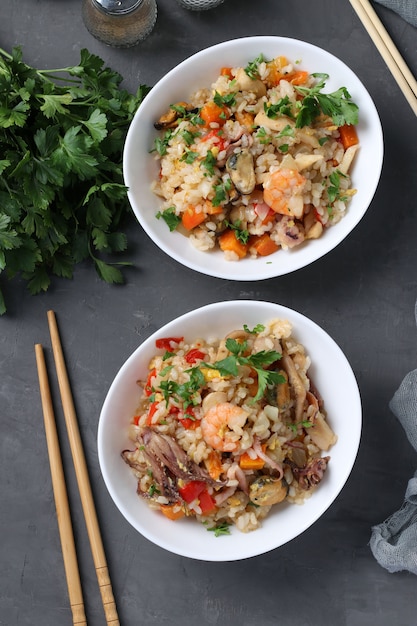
[
  {"x": 394, "y": 542},
  {"x": 406, "y": 8}
]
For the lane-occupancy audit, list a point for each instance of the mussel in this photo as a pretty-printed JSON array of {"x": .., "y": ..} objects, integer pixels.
[
  {"x": 266, "y": 490},
  {"x": 241, "y": 169}
]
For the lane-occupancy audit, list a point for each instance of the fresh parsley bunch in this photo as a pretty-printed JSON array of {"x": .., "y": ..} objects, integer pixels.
[{"x": 62, "y": 197}]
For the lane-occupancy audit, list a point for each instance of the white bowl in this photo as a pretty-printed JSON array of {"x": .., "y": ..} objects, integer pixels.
[
  {"x": 331, "y": 374},
  {"x": 200, "y": 70}
]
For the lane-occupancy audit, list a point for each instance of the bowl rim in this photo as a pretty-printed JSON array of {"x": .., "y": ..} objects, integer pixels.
[
  {"x": 171, "y": 243},
  {"x": 205, "y": 550}
]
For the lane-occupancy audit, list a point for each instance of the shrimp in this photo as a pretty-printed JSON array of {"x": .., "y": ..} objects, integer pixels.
[
  {"x": 222, "y": 426},
  {"x": 283, "y": 191}
]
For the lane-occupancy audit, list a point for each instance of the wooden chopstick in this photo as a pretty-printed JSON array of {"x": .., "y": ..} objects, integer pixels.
[
  {"x": 81, "y": 472},
  {"x": 60, "y": 495},
  {"x": 388, "y": 50}
]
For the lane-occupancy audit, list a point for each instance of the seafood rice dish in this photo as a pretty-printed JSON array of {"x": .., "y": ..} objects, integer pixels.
[
  {"x": 226, "y": 429},
  {"x": 258, "y": 161}
]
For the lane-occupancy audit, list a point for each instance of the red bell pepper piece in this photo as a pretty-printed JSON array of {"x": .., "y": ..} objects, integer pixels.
[
  {"x": 207, "y": 504},
  {"x": 197, "y": 489},
  {"x": 190, "y": 491},
  {"x": 165, "y": 342},
  {"x": 194, "y": 355},
  {"x": 188, "y": 420}
]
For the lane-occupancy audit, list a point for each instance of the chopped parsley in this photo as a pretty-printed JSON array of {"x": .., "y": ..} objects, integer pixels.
[
  {"x": 252, "y": 68},
  {"x": 189, "y": 157},
  {"x": 257, "y": 329},
  {"x": 189, "y": 392},
  {"x": 209, "y": 162},
  {"x": 170, "y": 217},
  {"x": 241, "y": 234},
  {"x": 189, "y": 137},
  {"x": 161, "y": 143},
  {"x": 262, "y": 135},
  {"x": 220, "y": 529},
  {"x": 333, "y": 190},
  {"x": 287, "y": 131},
  {"x": 282, "y": 107},
  {"x": 220, "y": 195},
  {"x": 227, "y": 100}
]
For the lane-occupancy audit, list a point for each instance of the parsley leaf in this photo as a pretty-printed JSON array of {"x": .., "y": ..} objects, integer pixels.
[
  {"x": 229, "y": 365},
  {"x": 337, "y": 105},
  {"x": 170, "y": 218},
  {"x": 282, "y": 107},
  {"x": 225, "y": 100},
  {"x": 221, "y": 529},
  {"x": 62, "y": 197}
]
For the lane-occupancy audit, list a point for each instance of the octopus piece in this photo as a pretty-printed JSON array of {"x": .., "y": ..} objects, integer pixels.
[
  {"x": 170, "y": 455},
  {"x": 289, "y": 232},
  {"x": 312, "y": 474}
]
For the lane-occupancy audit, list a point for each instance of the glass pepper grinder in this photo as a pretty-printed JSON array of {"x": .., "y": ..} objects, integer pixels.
[{"x": 119, "y": 23}]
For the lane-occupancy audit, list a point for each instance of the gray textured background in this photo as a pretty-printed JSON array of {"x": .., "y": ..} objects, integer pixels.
[{"x": 362, "y": 294}]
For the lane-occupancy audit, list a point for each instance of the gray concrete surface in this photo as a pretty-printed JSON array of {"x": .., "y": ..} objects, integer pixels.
[{"x": 363, "y": 294}]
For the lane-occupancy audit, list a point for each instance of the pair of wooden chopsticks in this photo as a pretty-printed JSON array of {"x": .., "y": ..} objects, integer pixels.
[
  {"x": 399, "y": 69},
  {"x": 59, "y": 488}
]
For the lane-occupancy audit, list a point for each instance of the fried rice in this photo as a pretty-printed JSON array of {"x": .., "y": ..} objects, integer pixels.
[
  {"x": 238, "y": 171},
  {"x": 226, "y": 429}
]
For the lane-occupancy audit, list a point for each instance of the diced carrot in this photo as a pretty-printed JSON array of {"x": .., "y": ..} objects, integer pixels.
[
  {"x": 190, "y": 218},
  {"x": 210, "y": 209},
  {"x": 274, "y": 74},
  {"x": 247, "y": 463},
  {"x": 172, "y": 511},
  {"x": 136, "y": 419},
  {"x": 348, "y": 136},
  {"x": 214, "y": 465},
  {"x": 298, "y": 77},
  {"x": 229, "y": 242},
  {"x": 226, "y": 71},
  {"x": 211, "y": 113},
  {"x": 263, "y": 245}
]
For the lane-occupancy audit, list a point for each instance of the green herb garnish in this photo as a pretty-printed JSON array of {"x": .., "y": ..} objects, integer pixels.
[
  {"x": 241, "y": 234},
  {"x": 189, "y": 157},
  {"x": 337, "y": 105},
  {"x": 209, "y": 162},
  {"x": 229, "y": 365},
  {"x": 221, "y": 189},
  {"x": 170, "y": 217},
  {"x": 252, "y": 68},
  {"x": 256, "y": 329},
  {"x": 62, "y": 194},
  {"x": 227, "y": 99},
  {"x": 282, "y": 107},
  {"x": 333, "y": 190},
  {"x": 220, "y": 529}
]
